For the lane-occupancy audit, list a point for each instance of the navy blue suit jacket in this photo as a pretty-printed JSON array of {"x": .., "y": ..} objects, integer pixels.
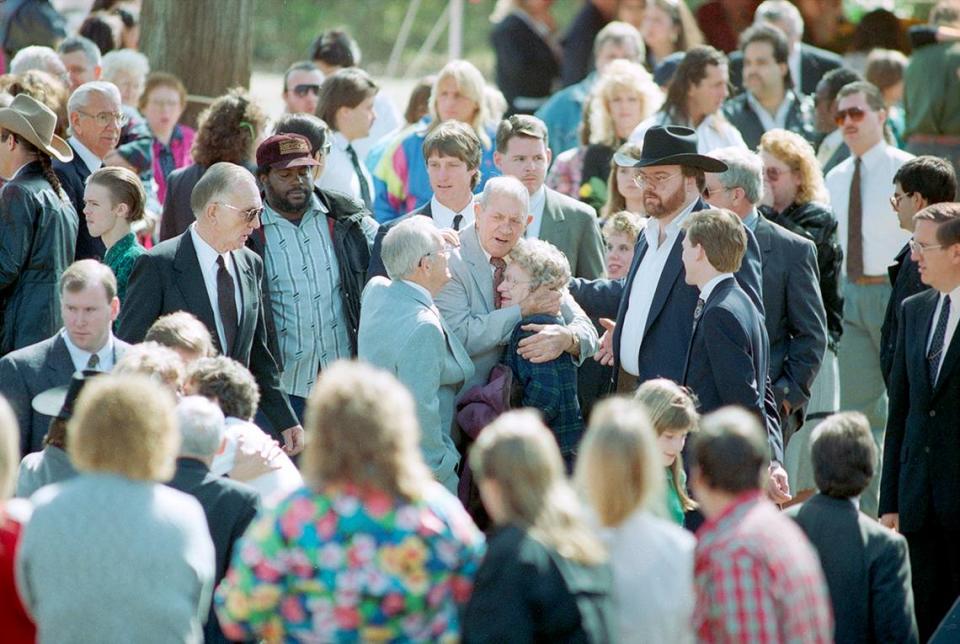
[{"x": 73, "y": 177}]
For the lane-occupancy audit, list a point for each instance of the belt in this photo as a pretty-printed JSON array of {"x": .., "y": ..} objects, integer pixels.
[{"x": 868, "y": 280}]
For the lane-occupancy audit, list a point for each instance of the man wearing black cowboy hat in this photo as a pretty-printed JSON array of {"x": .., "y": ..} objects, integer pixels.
[
  {"x": 39, "y": 224},
  {"x": 655, "y": 306}
]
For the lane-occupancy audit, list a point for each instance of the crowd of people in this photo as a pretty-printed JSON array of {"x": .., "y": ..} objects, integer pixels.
[{"x": 649, "y": 337}]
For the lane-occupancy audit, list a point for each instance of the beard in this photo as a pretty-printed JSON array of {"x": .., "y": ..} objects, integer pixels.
[
  {"x": 279, "y": 201},
  {"x": 660, "y": 207}
]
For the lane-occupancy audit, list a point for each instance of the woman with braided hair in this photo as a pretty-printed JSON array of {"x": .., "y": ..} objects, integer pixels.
[{"x": 39, "y": 224}]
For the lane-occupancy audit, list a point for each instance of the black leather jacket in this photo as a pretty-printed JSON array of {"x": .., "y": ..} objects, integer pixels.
[
  {"x": 817, "y": 223},
  {"x": 353, "y": 232}
]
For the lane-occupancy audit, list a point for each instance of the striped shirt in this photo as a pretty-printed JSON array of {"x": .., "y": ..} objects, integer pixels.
[{"x": 305, "y": 295}]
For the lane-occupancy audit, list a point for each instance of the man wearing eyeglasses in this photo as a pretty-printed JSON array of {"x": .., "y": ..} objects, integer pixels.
[
  {"x": 95, "y": 122},
  {"x": 301, "y": 87},
  {"x": 207, "y": 271},
  {"x": 860, "y": 189}
]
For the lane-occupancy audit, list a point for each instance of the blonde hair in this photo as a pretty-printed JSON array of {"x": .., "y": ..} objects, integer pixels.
[
  {"x": 362, "y": 429},
  {"x": 152, "y": 359},
  {"x": 9, "y": 449},
  {"x": 182, "y": 330},
  {"x": 470, "y": 83},
  {"x": 797, "y": 153},
  {"x": 618, "y": 469},
  {"x": 521, "y": 455},
  {"x": 620, "y": 75},
  {"x": 671, "y": 407},
  {"x": 623, "y": 223},
  {"x": 543, "y": 262},
  {"x": 124, "y": 424}
]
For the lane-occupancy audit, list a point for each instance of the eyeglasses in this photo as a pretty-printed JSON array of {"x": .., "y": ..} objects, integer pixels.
[
  {"x": 855, "y": 113},
  {"x": 707, "y": 192},
  {"x": 303, "y": 90},
  {"x": 445, "y": 250},
  {"x": 248, "y": 215},
  {"x": 895, "y": 199},
  {"x": 919, "y": 249},
  {"x": 644, "y": 181},
  {"x": 104, "y": 119},
  {"x": 773, "y": 174}
]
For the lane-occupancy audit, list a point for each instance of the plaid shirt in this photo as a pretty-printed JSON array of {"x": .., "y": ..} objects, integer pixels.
[
  {"x": 758, "y": 579},
  {"x": 550, "y": 387}
]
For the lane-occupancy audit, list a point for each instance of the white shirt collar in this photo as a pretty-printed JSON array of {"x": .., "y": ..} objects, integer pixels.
[
  {"x": 444, "y": 215},
  {"x": 80, "y": 357},
  {"x": 712, "y": 284},
  {"x": 873, "y": 155},
  {"x": 206, "y": 254},
  {"x": 339, "y": 141},
  {"x": 91, "y": 160},
  {"x": 420, "y": 288},
  {"x": 652, "y": 230}
]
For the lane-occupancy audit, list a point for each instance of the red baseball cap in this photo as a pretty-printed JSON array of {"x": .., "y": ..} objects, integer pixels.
[{"x": 285, "y": 151}]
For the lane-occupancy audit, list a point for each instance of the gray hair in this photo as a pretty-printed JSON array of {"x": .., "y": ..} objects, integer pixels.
[
  {"x": 80, "y": 97},
  {"x": 621, "y": 34},
  {"x": 79, "y": 43},
  {"x": 509, "y": 186},
  {"x": 544, "y": 262},
  {"x": 40, "y": 58},
  {"x": 781, "y": 12},
  {"x": 406, "y": 243},
  {"x": 201, "y": 426},
  {"x": 218, "y": 179},
  {"x": 125, "y": 60},
  {"x": 744, "y": 170}
]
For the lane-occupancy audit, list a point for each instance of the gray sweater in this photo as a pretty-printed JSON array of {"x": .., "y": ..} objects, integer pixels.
[{"x": 108, "y": 559}]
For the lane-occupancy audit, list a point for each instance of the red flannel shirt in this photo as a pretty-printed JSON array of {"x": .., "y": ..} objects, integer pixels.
[{"x": 758, "y": 579}]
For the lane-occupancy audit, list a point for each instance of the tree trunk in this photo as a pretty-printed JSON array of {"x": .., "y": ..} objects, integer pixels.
[{"x": 206, "y": 43}]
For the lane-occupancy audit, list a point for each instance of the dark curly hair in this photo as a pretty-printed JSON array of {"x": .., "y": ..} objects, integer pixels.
[
  {"x": 228, "y": 129},
  {"x": 43, "y": 87}
]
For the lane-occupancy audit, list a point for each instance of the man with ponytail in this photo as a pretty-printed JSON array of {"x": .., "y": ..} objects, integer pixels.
[{"x": 39, "y": 224}]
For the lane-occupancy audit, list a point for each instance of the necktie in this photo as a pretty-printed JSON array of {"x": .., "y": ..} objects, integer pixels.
[
  {"x": 93, "y": 363},
  {"x": 227, "y": 304},
  {"x": 936, "y": 345},
  {"x": 456, "y": 221},
  {"x": 364, "y": 188},
  {"x": 855, "y": 227},
  {"x": 499, "y": 265}
]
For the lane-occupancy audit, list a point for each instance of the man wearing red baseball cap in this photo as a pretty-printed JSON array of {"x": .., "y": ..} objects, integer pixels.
[{"x": 315, "y": 246}]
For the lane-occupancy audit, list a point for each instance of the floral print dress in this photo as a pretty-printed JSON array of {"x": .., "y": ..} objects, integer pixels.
[{"x": 352, "y": 565}]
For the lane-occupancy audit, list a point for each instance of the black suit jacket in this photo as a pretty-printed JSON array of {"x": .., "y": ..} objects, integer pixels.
[
  {"x": 905, "y": 277},
  {"x": 814, "y": 63},
  {"x": 168, "y": 278},
  {"x": 177, "y": 213},
  {"x": 73, "y": 177},
  {"x": 376, "y": 268},
  {"x": 727, "y": 360},
  {"x": 799, "y": 119},
  {"x": 921, "y": 450},
  {"x": 794, "y": 316},
  {"x": 867, "y": 571},
  {"x": 527, "y": 66},
  {"x": 229, "y": 506}
]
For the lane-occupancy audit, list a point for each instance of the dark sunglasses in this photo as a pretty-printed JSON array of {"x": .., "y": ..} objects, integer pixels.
[
  {"x": 247, "y": 215},
  {"x": 855, "y": 113},
  {"x": 303, "y": 90}
]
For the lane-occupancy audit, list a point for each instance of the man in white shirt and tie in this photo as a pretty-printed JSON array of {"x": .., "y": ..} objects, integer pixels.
[{"x": 860, "y": 189}]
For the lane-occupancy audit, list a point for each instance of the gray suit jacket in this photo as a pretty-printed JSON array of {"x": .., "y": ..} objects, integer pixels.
[
  {"x": 402, "y": 331},
  {"x": 572, "y": 226},
  {"x": 31, "y": 370},
  {"x": 466, "y": 303}
]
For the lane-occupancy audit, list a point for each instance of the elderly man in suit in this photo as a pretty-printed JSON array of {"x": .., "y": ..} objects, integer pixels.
[
  {"x": 95, "y": 123},
  {"x": 208, "y": 272},
  {"x": 795, "y": 317},
  {"x": 89, "y": 305},
  {"x": 470, "y": 303},
  {"x": 401, "y": 331},
  {"x": 228, "y": 505},
  {"x": 920, "y": 482},
  {"x": 865, "y": 564},
  {"x": 568, "y": 224}
]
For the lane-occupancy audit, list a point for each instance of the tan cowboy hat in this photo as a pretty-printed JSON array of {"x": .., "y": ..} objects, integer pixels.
[{"x": 35, "y": 122}]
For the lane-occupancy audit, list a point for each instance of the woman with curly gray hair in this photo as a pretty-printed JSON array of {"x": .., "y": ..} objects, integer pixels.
[{"x": 548, "y": 386}]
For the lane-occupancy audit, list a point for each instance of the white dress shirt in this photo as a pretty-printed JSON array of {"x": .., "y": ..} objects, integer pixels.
[
  {"x": 207, "y": 257},
  {"x": 443, "y": 217},
  {"x": 645, "y": 286},
  {"x": 713, "y": 133},
  {"x": 537, "y": 201},
  {"x": 952, "y": 318},
  {"x": 339, "y": 175},
  {"x": 80, "y": 358},
  {"x": 712, "y": 284},
  {"x": 882, "y": 236},
  {"x": 772, "y": 121},
  {"x": 91, "y": 160}
]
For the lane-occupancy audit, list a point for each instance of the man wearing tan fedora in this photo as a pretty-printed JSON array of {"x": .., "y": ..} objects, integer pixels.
[{"x": 39, "y": 224}]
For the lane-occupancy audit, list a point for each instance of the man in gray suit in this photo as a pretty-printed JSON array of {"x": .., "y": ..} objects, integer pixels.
[
  {"x": 795, "y": 317},
  {"x": 89, "y": 305},
  {"x": 470, "y": 304},
  {"x": 401, "y": 331},
  {"x": 568, "y": 224}
]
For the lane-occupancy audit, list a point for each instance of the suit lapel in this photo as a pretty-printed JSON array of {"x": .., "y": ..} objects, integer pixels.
[
  {"x": 453, "y": 344},
  {"x": 248, "y": 297},
  {"x": 60, "y": 365},
  {"x": 924, "y": 316},
  {"x": 949, "y": 360},
  {"x": 764, "y": 235},
  {"x": 191, "y": 286},
  {"x": 480, "y": 269},
  {"x": 671, "y": 271},
  {"x": 551, "y": 227}
]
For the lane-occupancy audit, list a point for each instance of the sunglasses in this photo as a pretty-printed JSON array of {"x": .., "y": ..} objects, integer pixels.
[
  {"x": 303, "y": 90},
  {"x": 247, "y": 215},
  {"x": 855, "y": 113}
]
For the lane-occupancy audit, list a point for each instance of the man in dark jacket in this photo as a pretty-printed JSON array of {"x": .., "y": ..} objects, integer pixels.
[
  {"x": 315, "y": 246},
  {"x": 39, "y": 226},
  {"x": 229, "y": 506}
]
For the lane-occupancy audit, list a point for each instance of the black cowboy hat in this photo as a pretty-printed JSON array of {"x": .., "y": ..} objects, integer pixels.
[
  {"x": 670, "y": 145},
  {"x": 59, "y": 401}
]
